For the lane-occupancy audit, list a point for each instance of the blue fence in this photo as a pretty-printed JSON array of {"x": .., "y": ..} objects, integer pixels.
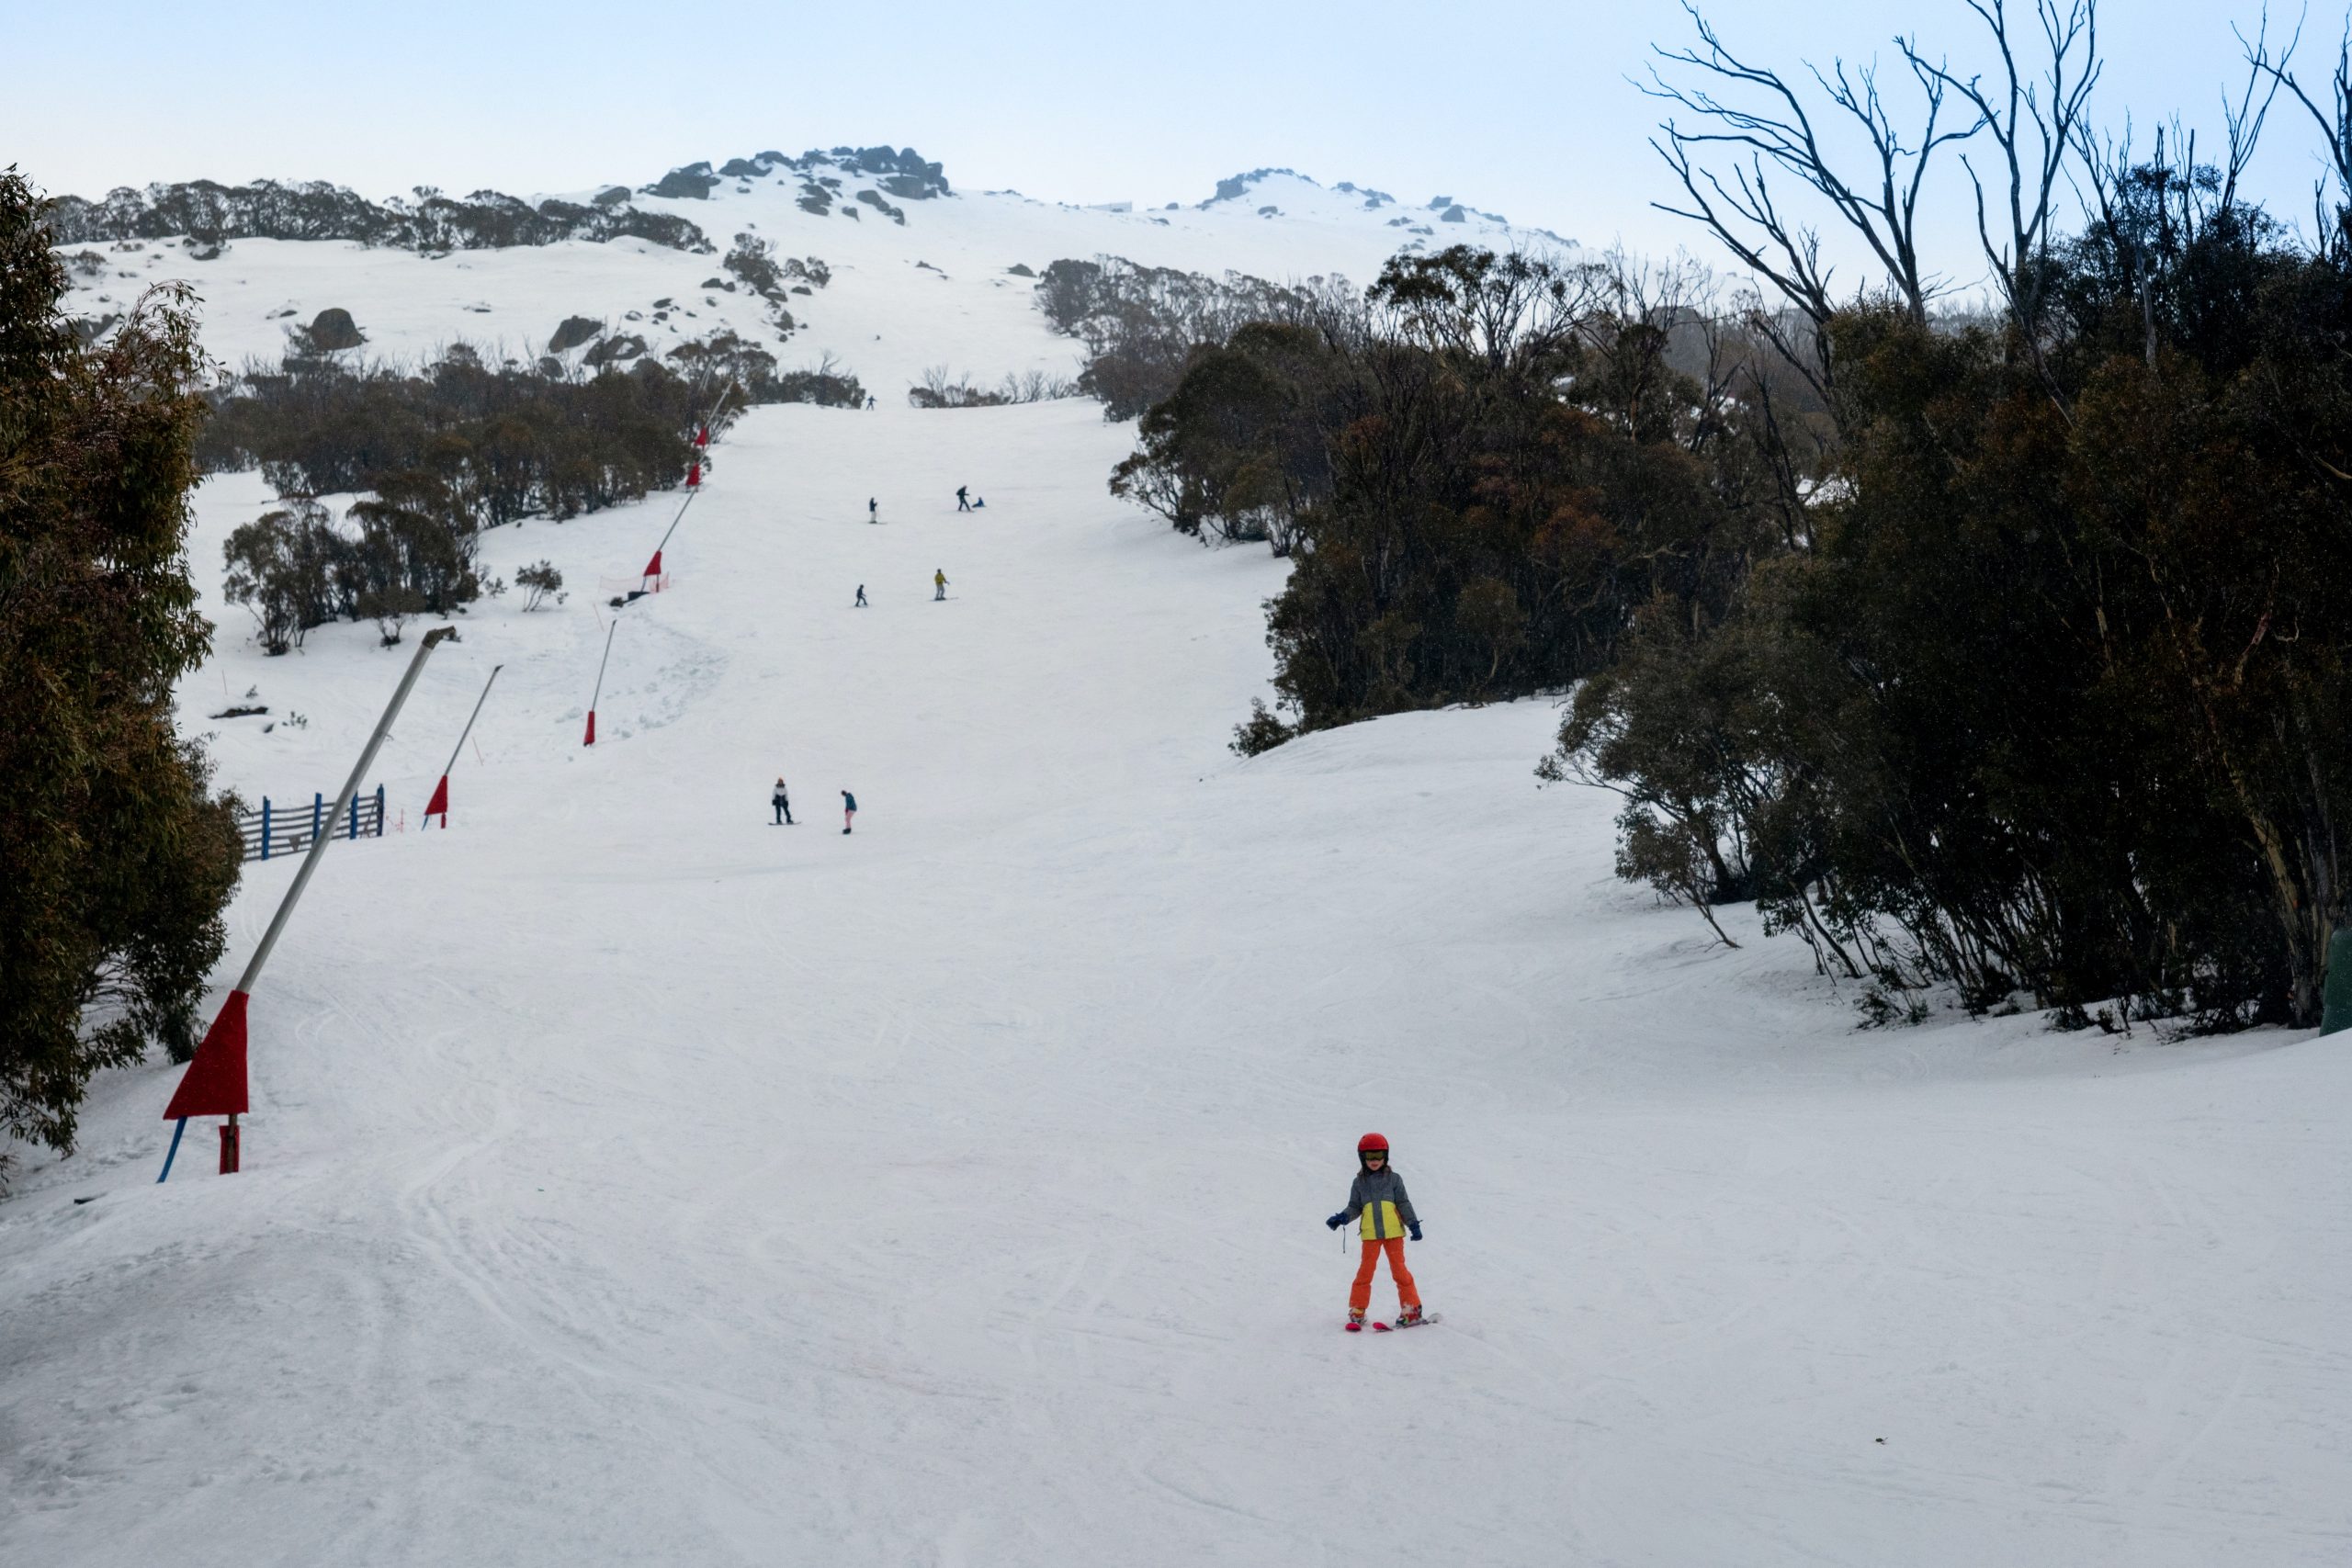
[{"x": 276, "y": 831}]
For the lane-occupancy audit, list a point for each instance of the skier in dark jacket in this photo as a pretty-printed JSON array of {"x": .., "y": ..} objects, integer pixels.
[
  {"x": 963, "y": 498},
  {"x": 1383, "y": 1214},
  {"x": 861, "y": 598},
  {"x": 849, "y": 810},
  {"x": 873, "y": 510},
  {"x": 783, "y": 803}
]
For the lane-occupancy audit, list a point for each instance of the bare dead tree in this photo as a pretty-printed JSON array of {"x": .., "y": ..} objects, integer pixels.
[
  {"x": 1753, "y": 113},
  {"x": 2033, "y": 115},
  {"x": 2335, "y": 121}
]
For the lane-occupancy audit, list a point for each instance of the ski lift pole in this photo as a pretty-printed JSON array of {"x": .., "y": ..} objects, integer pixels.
[
  {"x": 215, "y": 1080},
  {"x": 599, "y": 692},
  {"x": 693, "y": 484},
  {"x": 440, "y": 801},
  {"x": 653, "y": 566},
  {"x": 712, "y": 418}
]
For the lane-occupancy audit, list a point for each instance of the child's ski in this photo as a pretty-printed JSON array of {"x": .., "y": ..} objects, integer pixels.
[{"x": 1404, "y": 1323}]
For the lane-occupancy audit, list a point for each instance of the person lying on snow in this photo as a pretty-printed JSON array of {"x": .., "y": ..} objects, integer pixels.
[{"x": 1384, "y": 1215}]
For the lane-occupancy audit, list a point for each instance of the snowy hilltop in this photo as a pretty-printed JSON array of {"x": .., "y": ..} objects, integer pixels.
[{"x": 916, "y": 273}]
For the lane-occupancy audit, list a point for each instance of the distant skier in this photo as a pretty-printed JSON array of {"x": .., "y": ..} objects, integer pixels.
[
  {"x": 869, "y": 397},
  {"x": 938, "y": 586},
  {"x": 849, "y": 811},
  {"x": 977, "y": 505},
  {"x": 963, "y": 498},
  {"x": 783, "y": 803},
  {"x": 861, "y": 603},
  {"x": 1377, "y": 1201}
]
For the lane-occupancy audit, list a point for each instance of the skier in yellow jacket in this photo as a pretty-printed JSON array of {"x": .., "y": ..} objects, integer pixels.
[{"x": 1376, "y": 1201}]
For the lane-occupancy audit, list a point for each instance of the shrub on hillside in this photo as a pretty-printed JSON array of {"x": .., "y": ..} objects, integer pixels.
[
  {"x": 410, "y": 550},
  {"x": 938, "y": 389},
  {"x": 728, "y": 358},
  {"x": 541, "y": 581}
]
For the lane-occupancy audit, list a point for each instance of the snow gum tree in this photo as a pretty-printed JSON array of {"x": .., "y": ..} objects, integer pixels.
[
  {"x": 114, "y": 863},
  {"x": 2046, "y": 691}
]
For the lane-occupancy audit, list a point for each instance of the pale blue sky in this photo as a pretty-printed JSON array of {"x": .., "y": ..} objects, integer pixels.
[{"x": 1522, "y": 108}]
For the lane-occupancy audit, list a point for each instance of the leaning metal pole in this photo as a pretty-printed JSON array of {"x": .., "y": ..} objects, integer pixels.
[{"x": 214, "y": 1083}]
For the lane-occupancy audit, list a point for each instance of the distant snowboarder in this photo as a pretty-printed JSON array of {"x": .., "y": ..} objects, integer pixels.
[
  {"x": 873, "y": 510},
  {"x": 849, "y": 811},
  {"x": 963, "y": 498},
  {"x": 869, "y": 397},
  {"x": 1376, "y": 1201},
  {"x": 938, "y": 586},
  {"x": 861, "y": 603},
  {"x": 977, "y": 505},
  {"x": 783, "y": 803}
]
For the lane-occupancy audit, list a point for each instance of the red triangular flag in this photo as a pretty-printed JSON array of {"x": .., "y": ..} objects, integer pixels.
[
  {"x": 694, "y": 475},
  {"x": 592, "y": 728},
  {"x": 653, "y": 566},
  {"x": 439, "y": 805},
  {"x": 214, "y": 1084}
]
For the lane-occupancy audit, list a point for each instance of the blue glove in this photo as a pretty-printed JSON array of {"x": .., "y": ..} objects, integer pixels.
[
  {"x": 1416, "y": 1231},
  {"x": 1336, "y": 1221}
]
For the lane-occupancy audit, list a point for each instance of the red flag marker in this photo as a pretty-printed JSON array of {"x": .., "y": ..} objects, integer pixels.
[
  {"x": 214, "y": 1084},
  {"x": 439, "y": 805}
]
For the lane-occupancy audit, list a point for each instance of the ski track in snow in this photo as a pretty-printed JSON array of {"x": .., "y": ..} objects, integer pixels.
[{"x": 630, "y": 1180}]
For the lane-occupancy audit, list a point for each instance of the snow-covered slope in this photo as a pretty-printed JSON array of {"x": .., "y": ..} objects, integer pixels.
[
  {"x": 633, "y": 1181},
  {"x": 931, "y": 288}
]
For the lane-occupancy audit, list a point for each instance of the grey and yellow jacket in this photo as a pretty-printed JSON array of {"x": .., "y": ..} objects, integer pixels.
[{"x": 1377, "y": 1199}]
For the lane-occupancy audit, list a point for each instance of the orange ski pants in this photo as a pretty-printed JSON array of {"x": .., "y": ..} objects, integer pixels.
[{"x": 1360, "y": 1293}]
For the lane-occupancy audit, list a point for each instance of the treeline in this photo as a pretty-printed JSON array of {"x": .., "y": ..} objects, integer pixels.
[
  {"x": 438, "y": 455},
  {"x": 1481, "y": 470},
  {"x": 213, "y": 213},
  {"x": 501, "y": 443},
  {"x": 2003, "y": 653},
  {"x": 1140, "y": 324},
  {"x": 115, "y": 862}
]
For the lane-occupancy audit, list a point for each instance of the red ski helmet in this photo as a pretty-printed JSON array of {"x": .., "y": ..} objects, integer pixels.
[{"x": 1371, "y": 1142}]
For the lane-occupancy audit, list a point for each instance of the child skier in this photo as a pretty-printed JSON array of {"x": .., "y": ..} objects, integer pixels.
[{"x": 1377, "y": 1201}]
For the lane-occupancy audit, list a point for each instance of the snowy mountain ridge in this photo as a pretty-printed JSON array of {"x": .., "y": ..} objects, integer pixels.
[{"x": 643, "y": 262}]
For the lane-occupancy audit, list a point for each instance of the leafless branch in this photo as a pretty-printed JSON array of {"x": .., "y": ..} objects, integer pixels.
[{"x": 2033, "y": 119}]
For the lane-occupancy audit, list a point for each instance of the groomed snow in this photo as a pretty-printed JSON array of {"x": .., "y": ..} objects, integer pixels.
[{"x": 632, "y": 1181}]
